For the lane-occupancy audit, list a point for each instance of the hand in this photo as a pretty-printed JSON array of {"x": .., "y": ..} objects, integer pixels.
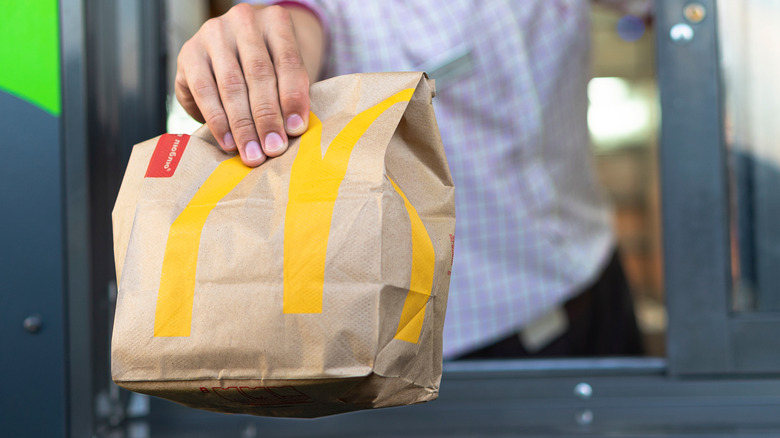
[{"x": 244, "y": 75}]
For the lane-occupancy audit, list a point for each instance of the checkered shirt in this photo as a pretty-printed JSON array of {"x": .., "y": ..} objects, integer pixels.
[{"x": 533, "y": 228}]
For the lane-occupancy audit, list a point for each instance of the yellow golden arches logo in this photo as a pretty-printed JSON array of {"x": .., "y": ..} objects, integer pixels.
[
  {"x": 314, "y": 185},
  {"x": 421, "y": 283},
  {"x": 173, "y": 316}
]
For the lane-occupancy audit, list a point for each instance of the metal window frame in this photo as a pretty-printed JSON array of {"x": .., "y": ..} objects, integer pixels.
[
  {"x": 32, "y": 257},
  {"x": 694, "y": 195},
  {"x": 75, "y": 163},
  {"x": 567, "y": 397},
  {"x": 704, "y": 336},
  {"x": 112, "y": 70}
]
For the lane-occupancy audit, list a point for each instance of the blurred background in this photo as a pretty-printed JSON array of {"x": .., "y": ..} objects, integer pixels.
[{"x": 624, "y": 120}]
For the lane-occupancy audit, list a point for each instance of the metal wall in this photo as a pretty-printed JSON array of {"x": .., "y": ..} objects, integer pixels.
[
  {"x": 32, "y": 263},
  {"x": 58, "y": 181}
]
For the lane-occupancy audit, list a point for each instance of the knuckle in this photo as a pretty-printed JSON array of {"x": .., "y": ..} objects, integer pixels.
[
  {"x": 185, "y": 49},
  {"x": 293, "y": 98},
  {"x": 278, "y": 13},
  {"x": 202, "y": 88},
  {"x": 241, "y": 10},
  {"x": 180, "y": 81},
  {"x": 241, "y": 125},
  {"x": 212, "y": 26},
  {"x": 215, "y": 118},
  {"x": 265, "y": 113},
  {"x": 189, "y": 51},
  {"x": 289, "y": 59},
  {"x": 259, "y": 69},
  {"x": 233, "y": 83}
]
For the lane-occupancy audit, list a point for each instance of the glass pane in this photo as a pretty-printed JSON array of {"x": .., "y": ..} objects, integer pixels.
[
  {"x": 750, "y": 45},
  {"x": 623, "y": 119}
]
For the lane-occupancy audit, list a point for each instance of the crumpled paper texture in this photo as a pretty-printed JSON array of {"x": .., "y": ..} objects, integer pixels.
[{"x": 243, "y": 352}]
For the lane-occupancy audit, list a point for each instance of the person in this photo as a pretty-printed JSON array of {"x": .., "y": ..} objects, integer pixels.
[{"x": 536, "y": 272}]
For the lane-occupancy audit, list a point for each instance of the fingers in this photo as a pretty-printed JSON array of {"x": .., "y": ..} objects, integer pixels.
[
  {"x": 185, "y": 97},
  {"x": 276, "y": 79},
  {"x": 234, "y": 95},
  {"x": 243, "y": 75},
  {"x": 293, "y": 79},
  {"x": 261, "y": 93},
  {"x": 199, "y": 94}
]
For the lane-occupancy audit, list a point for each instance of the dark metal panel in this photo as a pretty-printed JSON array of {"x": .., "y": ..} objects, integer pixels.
[
  {"x": 31, "y": 272},
  {"x": 141, "y": 76},
  {"x": 755, "y": 344},
  {"x": 743, "y": 177},
  {"x": 705, "y": 336},
  {"x": 104, "y": 161},
  {"x": 513, "y": 399},
  {"x": 76, "y": 195},
  {"x": 695, "y": 196},
  {"x": 125, "y": 104},
  {"x": 757, "y": 205},
  {"x": 766, "y": 234}
]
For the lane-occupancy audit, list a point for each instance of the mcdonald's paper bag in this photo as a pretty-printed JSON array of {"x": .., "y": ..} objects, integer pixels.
[{"x": 313, "y": 284}]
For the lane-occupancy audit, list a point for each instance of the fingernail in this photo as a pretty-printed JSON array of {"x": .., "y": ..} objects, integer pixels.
[
  {"x": 294, "y": 123},
  {"x": 228, "y": 141},
  {"x": 253, "y": 151},
  {"x": 273, "y": 143}
]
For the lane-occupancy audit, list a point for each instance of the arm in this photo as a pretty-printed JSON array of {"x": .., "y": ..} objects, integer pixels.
[{"x": 247, "y": 75}]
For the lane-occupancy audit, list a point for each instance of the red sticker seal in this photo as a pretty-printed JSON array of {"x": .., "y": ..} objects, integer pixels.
[{"x": 166, "y": 155}]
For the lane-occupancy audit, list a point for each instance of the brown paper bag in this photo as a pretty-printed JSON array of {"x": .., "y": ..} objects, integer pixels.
[{"x": 312, "y": 285}]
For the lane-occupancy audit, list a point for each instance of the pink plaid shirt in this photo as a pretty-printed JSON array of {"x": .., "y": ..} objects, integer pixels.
[{"x": 532, "y": 225}]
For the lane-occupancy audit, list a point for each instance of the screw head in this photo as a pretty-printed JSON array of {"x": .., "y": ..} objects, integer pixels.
[
  {"x": 694, "y": 12},
  {"x": 584, "y": 418},
  {"x": 681, "y": 33},
  {"x": 583, "y": 390},
  {"x": 33, "y": 323}
]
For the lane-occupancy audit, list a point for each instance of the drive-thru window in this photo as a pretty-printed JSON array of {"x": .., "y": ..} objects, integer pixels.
[{"x": 68, "y": 132}]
